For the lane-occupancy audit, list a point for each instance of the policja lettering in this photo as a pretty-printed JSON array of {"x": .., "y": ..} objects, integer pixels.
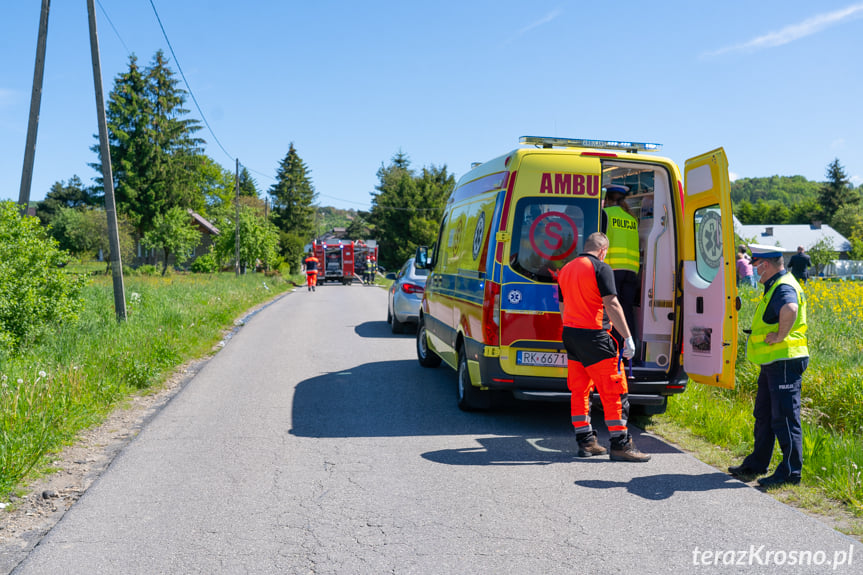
[{"x": 624, "y": 224}]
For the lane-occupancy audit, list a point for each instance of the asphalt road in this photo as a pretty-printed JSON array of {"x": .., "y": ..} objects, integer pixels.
[{"x": 315, "y": 443}]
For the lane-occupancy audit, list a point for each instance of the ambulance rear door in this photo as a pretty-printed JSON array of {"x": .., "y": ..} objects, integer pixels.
[{"x": 709, "y": 272}]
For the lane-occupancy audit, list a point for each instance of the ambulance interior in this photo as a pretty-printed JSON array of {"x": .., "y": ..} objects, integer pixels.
[{"x": 650, "y": 201}]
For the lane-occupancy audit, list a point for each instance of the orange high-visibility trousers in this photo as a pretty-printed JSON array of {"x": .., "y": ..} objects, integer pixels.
[
  {"x": 611, "y": 385},
  {"x": 312, "y": 278}
]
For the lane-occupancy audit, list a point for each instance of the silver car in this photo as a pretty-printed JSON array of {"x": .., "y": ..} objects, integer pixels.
[{"x": 405, "y": 296}]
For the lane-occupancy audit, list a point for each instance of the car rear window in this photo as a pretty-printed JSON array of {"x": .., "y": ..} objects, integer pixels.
[{"x": 548, "y": 233}]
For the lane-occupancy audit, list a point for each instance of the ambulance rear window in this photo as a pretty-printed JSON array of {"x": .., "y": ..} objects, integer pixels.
[{"x": 548, "y": 233}]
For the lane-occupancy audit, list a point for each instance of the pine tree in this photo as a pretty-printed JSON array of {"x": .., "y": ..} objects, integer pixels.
[
  {"x": 248, "y": 185},
  {"x": 836, "y": 191},
  {"x": 293, "y": 197},
  {"x": 154, "y": 154}
]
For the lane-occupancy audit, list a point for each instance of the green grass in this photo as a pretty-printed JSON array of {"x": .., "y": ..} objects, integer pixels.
[
  {"x": 52, "y": 390},
  {"x": 832, "y": 396}
]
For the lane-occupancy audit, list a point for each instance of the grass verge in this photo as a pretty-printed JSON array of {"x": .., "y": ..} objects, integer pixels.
[{"x": 72, "y": 378}]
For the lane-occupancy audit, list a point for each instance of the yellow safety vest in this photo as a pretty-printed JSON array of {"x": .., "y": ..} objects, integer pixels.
[
  {"x": 760, "y": 352},
  {"x": 622, "y": 232}
]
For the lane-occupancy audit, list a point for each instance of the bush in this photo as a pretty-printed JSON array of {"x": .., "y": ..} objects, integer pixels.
[
  {"x": 147, "y": 270},
  {"x": 205, "y": 264},
  {"x": 35, "y": 292}
]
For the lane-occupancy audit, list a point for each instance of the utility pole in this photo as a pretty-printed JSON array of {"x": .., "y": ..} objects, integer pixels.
[
  {"x": 107, "y": 174},
  {"x": 35, "y": 105},
  {"x": 237, "y": 202}
]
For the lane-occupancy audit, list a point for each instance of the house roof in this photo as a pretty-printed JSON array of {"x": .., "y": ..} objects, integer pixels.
[
  {"x": 788, "y": 236},
  {"x": 202, "y": 221}
]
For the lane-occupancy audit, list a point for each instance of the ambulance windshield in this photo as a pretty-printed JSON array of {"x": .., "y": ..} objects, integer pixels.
[{"x": 548, "y": 233}]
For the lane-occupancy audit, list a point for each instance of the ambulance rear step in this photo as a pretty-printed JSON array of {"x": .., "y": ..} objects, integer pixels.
[{"x": 634, "y": 398}]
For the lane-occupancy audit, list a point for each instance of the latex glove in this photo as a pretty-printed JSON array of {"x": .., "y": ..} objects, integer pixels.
[{"x": 629, "y": 348}]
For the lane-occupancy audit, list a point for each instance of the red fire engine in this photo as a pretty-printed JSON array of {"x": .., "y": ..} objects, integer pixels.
[{"x": 342, "y": 260}]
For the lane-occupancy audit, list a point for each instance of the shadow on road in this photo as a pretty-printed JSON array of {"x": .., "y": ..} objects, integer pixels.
[
  {"x": 663, "y": 486},
  {"x": 383, "y": 330},
  {"x": 402, "y": 399}
]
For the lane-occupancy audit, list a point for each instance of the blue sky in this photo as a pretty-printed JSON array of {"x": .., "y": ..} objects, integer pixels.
[{"x": 778, "y": 84}]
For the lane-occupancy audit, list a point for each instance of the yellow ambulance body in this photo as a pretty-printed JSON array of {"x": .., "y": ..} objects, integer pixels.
[{"x": 490, "y": 308}]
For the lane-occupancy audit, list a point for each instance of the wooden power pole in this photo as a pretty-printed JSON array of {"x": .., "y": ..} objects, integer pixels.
[
  {"x": 107, "y": 174},
  {"x": 35, "y": 104}
]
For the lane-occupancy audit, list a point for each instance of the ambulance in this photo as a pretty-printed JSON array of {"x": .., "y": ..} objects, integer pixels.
[{"x": 490, "y": 309}]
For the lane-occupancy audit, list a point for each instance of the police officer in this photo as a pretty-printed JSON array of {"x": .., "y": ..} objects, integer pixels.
[
  {"x": 778, "y": 344},
  {"x": 621, "y": 227},
  {"x": 587, "y": 300},
  {"x": 311, "y": 265}
]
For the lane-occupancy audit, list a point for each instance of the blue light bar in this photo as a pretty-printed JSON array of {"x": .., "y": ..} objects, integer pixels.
[{"x": 599, "y": 144}]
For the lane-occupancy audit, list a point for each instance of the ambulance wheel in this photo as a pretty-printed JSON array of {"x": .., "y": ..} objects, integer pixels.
[
  {"x": 426, "y": 356},
  {"x": 470, "y": 398}
]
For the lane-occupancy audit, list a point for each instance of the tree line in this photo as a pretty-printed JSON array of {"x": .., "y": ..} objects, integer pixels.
[
  {"x": 796, "y": 200},
  {"x": 161, "y": 174}
]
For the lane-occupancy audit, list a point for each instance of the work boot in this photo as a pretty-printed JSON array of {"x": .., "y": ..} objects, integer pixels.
[
  {"x": 588, "y": 446},
  {"x": 623, "y": 449}
]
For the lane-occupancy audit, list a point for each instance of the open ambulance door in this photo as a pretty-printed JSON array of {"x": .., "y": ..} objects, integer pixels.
[{"x": 709, "y": 272}]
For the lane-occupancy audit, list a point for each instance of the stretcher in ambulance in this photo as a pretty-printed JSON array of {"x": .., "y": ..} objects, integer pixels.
[{"x": 490, "y": 309}]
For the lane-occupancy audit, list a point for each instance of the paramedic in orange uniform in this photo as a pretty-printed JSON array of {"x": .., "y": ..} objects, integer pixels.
[
  {"x": 587, "y": 299},
  {"x": 311, "y": 264}
]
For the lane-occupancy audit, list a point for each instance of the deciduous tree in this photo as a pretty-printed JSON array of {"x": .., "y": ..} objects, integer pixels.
[{"x": 174, "y": 233}]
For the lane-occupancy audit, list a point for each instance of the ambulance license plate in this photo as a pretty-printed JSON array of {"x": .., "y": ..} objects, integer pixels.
[{"x": 544, "y": 358}]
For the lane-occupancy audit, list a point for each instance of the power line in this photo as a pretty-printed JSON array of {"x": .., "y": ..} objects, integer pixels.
[
  {"x": 114, "y": 28},
  {"x": 188, "y": 87}
]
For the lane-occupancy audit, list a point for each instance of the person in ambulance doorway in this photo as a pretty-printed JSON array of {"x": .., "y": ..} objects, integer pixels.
[
  {"x": 621, "y": 227},
  {"x": 778, "y": 344},
  {"x": 311, "y": 268},
  {"x": 587, "y": 300}
]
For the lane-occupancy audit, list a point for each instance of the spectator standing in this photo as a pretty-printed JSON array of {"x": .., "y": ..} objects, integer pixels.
[
  {"x": 799, "y": 264},
  {"x": 744, "y": 271}
]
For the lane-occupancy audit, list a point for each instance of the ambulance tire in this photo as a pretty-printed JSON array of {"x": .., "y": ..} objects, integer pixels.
[
  {"x": 425, "y": 355},
  {"x": 470, "y": 398}
]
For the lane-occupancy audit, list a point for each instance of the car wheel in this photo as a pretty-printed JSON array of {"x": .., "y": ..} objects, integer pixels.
[
  {"x": 389, "y": 313},
  {"x": 426, "y": 356},
  {"x": 470, "y": 398},
  {"x": 396, "y": 325}
]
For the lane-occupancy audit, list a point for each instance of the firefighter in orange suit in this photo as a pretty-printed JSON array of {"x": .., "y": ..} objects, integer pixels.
[
  {"x": 311, "y": 265},
  {"x": 588, "y": 298}
]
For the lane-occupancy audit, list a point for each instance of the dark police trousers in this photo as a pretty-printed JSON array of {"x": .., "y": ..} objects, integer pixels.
[{"x": 777, "y": 416}]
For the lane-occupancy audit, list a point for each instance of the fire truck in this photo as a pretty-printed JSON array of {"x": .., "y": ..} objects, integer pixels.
[
  {"x": 337, "y": 261},
  {"x": 342, "y": 260}
]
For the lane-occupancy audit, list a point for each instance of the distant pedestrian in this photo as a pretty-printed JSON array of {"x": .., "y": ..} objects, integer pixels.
[
  {"x": 744, "y": 271},
  {"x": 310, "y": 265},
  {"x": 799, "y": 264}
]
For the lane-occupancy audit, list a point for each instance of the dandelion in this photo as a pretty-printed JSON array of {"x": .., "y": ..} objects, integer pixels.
[
  {"x": 4, "y": 378},
  {"x": 20, "y": 381},
  {"x": 42, "y": 374}
]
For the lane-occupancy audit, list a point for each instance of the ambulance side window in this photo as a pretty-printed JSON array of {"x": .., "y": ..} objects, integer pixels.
[{"x": 708, "y": 242}]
